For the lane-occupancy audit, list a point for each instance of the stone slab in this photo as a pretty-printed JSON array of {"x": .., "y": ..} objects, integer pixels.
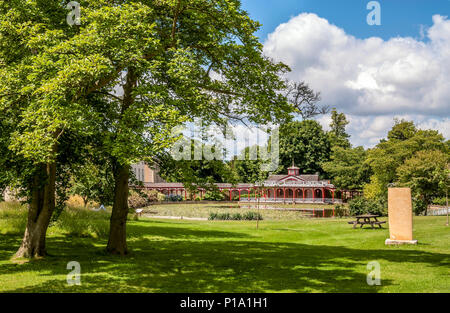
[
  {"x": 400, "y": 214},
  {"x": 400, "y": 242}
]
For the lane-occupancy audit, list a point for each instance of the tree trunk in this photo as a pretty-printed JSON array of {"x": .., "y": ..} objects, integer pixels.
[
  {"x": 117, "y": 243},
  {"x": 40, "y": 212}
]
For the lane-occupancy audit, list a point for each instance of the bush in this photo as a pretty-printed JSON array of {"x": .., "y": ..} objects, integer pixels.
[
  {"x": 252, "y": 216},
  {"x": 340, "y": 210},
  {"x": 249, "y": 216},
  {"x": 214, "y": 196},
  {"x": 173, "y": 198},
  {"x": 136, "y": 200},
  {"x": 141, "y": 198},
  {"x": 360, "y": 205},
  {"x": 236, "y": 217},
  {"x": 419, "y": 206}
]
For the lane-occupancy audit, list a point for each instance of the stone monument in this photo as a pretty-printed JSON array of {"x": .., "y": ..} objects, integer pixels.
[{"x": 400, "y": 217}]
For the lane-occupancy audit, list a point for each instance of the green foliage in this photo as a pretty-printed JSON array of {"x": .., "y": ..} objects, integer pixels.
[
  {"x": 249, "y": 171},
  {"x": 79, "y": 222},
  {"x": 252, "y": 216},
  {"x": 420, "y": 206},
  {"x": 13, "y": 218},
  {"x": 249, "y": 216},
  {"x": 440, "y": 201},
  {"x": 173, "y": 198},
  {"x": 214, "y": 195},
  {"x": 340, "y": 210},
  {"x": 402, "y": 130},
  {"x": 403, "y": 143},
  {"x": 361, "y": 205},
  {"x": 338, "y": 135},
  {"x": 426, "y": 173},
  {"x": 347, "y": 167},
  {"x": 306, "y": 143}
]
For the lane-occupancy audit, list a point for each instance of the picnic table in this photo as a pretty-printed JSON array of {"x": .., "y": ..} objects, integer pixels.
[{"x": 367, "y": 219}]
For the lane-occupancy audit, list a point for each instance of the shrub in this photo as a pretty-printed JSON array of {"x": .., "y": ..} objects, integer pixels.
[
  {"x": 214, "y": 196},
  {"x": 340, "y": 210},
  {"x": 173, "y": 198},
  {"x": 419, "y": 206},
  {"x": 136, "y": 200},
  {"x": 359, "y": 206},
  {"x": 235, "y": 217},
  {"x": 252, "y": 216}
]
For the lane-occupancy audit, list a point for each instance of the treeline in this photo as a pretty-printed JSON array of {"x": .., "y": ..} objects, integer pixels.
[{"x": 408, "y": 156}]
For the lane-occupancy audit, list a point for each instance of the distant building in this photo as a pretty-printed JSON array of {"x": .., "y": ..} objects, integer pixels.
[
  {"x": 146, "y": 174},
  {"x": 292, "y": 187}
]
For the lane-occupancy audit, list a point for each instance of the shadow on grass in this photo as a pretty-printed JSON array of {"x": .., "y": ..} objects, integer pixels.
[{"x": 186, "y": 262}]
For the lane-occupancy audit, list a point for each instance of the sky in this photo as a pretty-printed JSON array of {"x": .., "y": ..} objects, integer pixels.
[{"x": 372, "y": 73}]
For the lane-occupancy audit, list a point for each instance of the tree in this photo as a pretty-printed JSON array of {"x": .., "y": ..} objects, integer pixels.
[
  {"x": 160, "y": 55},
  {"x": 337, "y": 133},
  {"x": 403, "y": 143},
  {"x": 306, "y": 144},
  {"x": 32, "y": 124},
  {"x": 347, "y": 167},
  {"x": 402, "y": 130},
  {"x": 130, "y": 73},
  {"x": 426, "y": 173},
  {"x": 195, "y": 173},
  {"x": 249, "y": 171},
  {"x": 302, "y": 97},
  {"x": 93, "y": 182}
]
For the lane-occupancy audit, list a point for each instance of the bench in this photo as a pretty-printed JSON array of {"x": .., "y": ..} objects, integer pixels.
[{"x": 367, "y": 219}]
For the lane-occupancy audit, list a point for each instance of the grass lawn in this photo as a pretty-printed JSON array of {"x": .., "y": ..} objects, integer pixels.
[{"x": 304, "y": 255}]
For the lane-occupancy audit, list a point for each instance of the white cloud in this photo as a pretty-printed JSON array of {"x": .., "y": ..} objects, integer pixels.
[{"x": 371, "y": 80}]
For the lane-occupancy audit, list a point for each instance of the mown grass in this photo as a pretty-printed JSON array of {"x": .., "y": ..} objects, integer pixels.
[{"x": 306, "y": 255}]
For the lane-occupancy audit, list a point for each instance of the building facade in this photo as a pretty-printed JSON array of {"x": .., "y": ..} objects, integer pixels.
[
  {"x": 292, "y": 187},
  {"x": 145, "y": 174}
]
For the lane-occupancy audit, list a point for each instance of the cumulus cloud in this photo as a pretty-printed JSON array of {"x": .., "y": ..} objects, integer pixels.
[{"x": 371, "y": 80}]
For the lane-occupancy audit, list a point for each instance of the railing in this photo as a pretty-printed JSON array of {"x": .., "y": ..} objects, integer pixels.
[
  {"x": 291, "y": 200},
  {"x": 437, "y": 211}
]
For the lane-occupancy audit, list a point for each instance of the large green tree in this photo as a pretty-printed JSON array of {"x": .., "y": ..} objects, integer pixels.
[
  {"x": 305, "y": 143},
  {"x": 347, "y": 168},
  {"x": 130, "y": 72},
  {"x": 404, "y": 141},
  {"x": 427, "y": 174},
  {"x": 338, "y": 135},
  {"x": 32, "y": 123}
]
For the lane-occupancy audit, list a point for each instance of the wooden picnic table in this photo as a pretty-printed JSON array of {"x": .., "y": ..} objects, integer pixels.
[{"x": 367, "y": 219}]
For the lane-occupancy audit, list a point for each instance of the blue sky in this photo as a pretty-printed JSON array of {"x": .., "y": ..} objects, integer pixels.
[
  {"x": 374, "y": 74},
  {"x": 398, "y": 17}
]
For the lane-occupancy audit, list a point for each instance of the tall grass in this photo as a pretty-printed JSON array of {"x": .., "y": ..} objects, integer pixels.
[
  {"x": 80, "y": 222},
  {"x": 73, "y": 221},
  {"x": 13, "y": 218}
]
